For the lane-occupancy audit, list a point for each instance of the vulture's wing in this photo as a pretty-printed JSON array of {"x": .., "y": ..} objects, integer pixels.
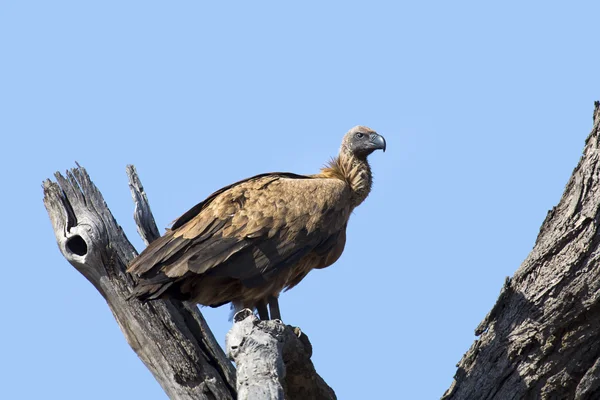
[
  {"x": 247, "y": 231},
  {"x": 194, "y": 211}
]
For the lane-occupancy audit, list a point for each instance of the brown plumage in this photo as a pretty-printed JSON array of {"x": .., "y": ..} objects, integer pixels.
[{"x": 250, "y": 240}]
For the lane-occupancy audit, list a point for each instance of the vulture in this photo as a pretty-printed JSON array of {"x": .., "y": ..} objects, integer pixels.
[{"x": 250, "y": 240}]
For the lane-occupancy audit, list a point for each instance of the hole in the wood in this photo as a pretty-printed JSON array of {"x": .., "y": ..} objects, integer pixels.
[{"x": 77, "y": 245}]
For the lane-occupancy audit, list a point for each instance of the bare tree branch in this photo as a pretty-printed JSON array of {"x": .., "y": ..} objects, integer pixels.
[
  {"x": 170, "y": 338},
  {"x": 541, "y": 339},
  {"x": 142, "y": 214},
  {"x": 256, "y": 349},
  {"x": 273, "y": 361}
]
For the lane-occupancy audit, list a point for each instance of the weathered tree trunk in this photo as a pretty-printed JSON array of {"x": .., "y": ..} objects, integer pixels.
[
  {"x": 542, "y": 338},
  {"x": 273, "y": 361},
  {"x": 170, "y": 337}
]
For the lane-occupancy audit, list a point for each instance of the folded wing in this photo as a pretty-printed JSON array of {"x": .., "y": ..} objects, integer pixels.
[{"x": 250, "y": 233}]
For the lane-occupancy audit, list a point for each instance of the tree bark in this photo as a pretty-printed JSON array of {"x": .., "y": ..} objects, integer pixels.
[
  {"x": 170, "y": 337},
  {"x": 273, "y": 361},
  {"x": 541, "y": 340}
]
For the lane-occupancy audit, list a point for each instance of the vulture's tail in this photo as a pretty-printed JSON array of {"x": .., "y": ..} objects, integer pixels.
[{"x": 145, "y": 291}]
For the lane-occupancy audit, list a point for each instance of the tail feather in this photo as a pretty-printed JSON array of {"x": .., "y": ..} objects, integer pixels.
[{"x": 149, "y": 291}]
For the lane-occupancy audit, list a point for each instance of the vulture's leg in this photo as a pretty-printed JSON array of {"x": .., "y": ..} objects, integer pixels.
[
  {"x": 274, "y": 307},
  {"x": 263, "y": 313}
]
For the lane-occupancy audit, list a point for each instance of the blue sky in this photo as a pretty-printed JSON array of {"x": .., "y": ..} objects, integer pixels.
[{"x": 485, "y": 108}]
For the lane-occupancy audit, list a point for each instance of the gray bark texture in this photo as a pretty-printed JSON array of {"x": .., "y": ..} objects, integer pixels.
[
  {"x": 171, "y": 338},
  {"x": 273, "y": 361},
  {"x": 541, "y": 340}
]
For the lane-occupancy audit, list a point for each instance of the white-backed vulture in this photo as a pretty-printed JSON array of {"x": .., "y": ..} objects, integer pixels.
[{"x": 250, "y": 240}]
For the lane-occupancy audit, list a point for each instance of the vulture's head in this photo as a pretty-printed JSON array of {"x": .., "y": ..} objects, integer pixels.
[{"x": 362, "y": 141}]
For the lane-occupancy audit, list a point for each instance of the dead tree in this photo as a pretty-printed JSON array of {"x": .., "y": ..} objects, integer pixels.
[
  {"x": 171, "y": 337},
  {"x": 541, "y": 340}
]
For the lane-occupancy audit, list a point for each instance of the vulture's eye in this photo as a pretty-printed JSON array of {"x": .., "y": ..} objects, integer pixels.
[{"x": 359, "y": 135}]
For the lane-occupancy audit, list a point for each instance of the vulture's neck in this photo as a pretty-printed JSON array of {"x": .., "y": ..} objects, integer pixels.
[{"x": 354, "y": 171}]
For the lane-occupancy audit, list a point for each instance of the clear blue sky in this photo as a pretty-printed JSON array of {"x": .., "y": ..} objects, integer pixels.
[{"x": 485, "y": 109}]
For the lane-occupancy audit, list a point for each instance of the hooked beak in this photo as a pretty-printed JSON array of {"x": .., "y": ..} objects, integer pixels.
[{"x": 378, "y": 142}]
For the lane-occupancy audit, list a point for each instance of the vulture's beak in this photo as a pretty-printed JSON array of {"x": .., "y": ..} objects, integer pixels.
[{"x": 378, "y": 142}]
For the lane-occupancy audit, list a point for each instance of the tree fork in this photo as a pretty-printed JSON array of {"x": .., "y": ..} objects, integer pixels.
[{"x": 171, "y": 338}]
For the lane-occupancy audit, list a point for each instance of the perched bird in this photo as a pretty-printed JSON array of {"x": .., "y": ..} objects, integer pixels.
[{"x": 250, "y": 240}]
